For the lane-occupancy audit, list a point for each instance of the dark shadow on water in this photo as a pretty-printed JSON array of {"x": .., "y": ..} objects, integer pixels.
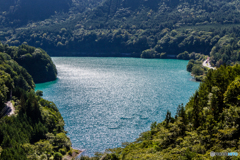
[{"x": 46, "y": 84}]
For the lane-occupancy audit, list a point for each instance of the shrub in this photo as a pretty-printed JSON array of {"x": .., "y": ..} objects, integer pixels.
[
  {"x": 163, "y": 55},
  {"x": 149, "y": 53},
  {"x": 70, "y": 152},
  {"x": 39, "y": 93},
  {"x": 197, "y": 70},
  {"x": 62, "y": 151},
  {"x": 189, "y": 66},
  {"x": 57, "y": 156},
  {"x": 184, "y": 55}
]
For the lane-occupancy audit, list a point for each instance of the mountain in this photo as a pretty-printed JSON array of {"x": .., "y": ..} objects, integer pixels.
[
  {"x": 162, "y": 13},
  {"x": 128, "y": 27},
  {"x": 17, "y": 13},
  {"x": 21, "y": 11}
]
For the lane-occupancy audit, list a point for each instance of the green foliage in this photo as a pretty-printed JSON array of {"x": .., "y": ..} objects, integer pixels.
[
  {"x": 27, "y": 10},
  {"x": 36, "y": 131},
  {"x": 39, "y": 93},
  {"x": 190, "y": 66},
  {"x": 168, "y": 118},
  {"x": 149, "y": 53},
  {"x": 153, "y": 125},
  {"x": 13, "y": 77},
  {"x": 57, "y": 156},
  {"x": 35, "y": 60},
  {"x": 197, "y": 70},
  {"x": 231, "y": 96},
  {"x": 113, "y": 27},
  {"x": 184, "y": 55}
]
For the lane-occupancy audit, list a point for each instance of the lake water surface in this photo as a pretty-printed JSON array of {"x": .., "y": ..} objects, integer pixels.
[{"x": 107, "y": 101}]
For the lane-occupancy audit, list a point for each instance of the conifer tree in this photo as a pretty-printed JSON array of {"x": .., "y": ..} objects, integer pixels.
[{"x": 196, "y": 110}]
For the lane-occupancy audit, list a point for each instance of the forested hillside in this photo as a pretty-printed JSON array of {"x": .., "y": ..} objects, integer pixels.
[
  {"x": 208, "y": 122},
  {"x": 147, "y": 29},
  {"x": 162, "y": 13},
  {"x": 18, "y": 12},
  {"x": 35, "y": 60},
  {"x": 36, "y": 129}
]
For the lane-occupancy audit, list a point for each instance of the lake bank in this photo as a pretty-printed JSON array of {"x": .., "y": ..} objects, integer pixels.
[{"x": 54, "y": 53}]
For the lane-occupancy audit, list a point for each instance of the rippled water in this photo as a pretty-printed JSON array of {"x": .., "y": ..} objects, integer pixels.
[{"x": 107, "y": 101}]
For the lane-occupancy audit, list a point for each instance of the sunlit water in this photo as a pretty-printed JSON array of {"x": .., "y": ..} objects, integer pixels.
[{"x": 107, "y": 101}]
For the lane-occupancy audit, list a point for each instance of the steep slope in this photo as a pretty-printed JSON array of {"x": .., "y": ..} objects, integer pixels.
[
  {"x": 35, "y": 60},
  {"x": 36, "y": 129},
  {"x": 19, "y": 12},
  {"x": 161, "y": 13}
]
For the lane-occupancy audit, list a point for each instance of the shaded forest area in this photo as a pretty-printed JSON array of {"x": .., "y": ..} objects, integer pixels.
[
  {"x": 35, "y": 60},
  {"x": 36, "y": 129}
]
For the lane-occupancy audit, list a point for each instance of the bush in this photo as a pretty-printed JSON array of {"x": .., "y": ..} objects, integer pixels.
[
  {"x": 70, "y": 152},
  {"x": 57, "y": 156},
  {"x": 189, "y": 66},
  {"x": 163, "y": 55},
  {"x": 231, "y": 96},
  {"x": 197, "y": 70},
  {"x": 149, "y": 53},
  {"x": 39, "y": 93},
  {"x": 184, "y": 55},
  {"x": 199, "y": 78},
  {"x": 62, "y": 151}
]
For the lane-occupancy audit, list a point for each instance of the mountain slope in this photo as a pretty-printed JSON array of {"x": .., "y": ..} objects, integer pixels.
[
  {"x": 162, "y": 13},
  {"x": 144, "y": 28},
  {"x": 35, "y": 60},
  {"x": 19, "y": 12},
  {"x": 36, "y": 129}
]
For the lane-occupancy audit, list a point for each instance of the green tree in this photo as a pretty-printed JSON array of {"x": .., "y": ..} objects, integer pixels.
[
  {"x": 149, "y": 53},
  {"x": 190, "y": 66},
  {"x": 231, "y": 96},
  {"x": 168, "y": 118},
  {"x": 57, "y": 156},
  {"x": 196, "y": 110},
  {"x": 197, "y": 70},
  {"x": 39, "y": 93},
  {"x": 184, "y": 55}
]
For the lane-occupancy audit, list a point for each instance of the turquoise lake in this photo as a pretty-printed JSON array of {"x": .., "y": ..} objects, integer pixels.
[{"x": 107, "y": 101}]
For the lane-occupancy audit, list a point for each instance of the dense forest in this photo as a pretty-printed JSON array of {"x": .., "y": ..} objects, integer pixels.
[
  {"x": 35, "y": 60},
  {"x": 19, "y": 12},
  {"x": 208, "y": 122},
  {"x": 36, "y": 129},
  {"x": 144, "y": 28}
]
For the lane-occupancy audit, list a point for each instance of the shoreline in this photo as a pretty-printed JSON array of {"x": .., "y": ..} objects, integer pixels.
[
  {"x": 54, "y": 53},
  {"x": 76, "y": 153}
]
